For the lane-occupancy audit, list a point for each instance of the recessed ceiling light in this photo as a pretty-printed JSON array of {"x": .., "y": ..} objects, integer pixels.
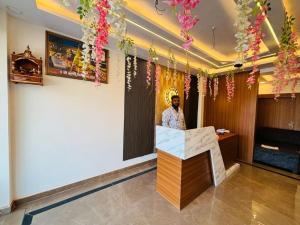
[{"x": 13, "y": 10}]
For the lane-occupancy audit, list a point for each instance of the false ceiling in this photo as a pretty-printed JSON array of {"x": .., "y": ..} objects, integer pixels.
[{"x": 213, "y": 50}]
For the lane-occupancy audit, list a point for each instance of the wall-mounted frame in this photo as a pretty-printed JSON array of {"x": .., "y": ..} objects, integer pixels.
[{"x": 63, "y": 59}]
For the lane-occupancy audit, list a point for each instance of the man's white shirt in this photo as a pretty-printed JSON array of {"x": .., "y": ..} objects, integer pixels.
[{"x": 173, "y": 119}]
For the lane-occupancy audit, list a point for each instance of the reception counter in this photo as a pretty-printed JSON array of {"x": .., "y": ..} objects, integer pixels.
[{"x": 188, "y": 162}]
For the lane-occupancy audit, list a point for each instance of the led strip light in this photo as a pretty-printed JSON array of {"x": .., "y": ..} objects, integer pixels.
[{"x": 39, "y": 3}]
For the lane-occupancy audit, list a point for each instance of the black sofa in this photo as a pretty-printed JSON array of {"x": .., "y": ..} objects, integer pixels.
[{"x": 287, "y": 156}]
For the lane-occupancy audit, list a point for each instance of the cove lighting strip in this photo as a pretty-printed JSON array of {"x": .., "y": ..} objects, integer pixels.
[
  {"x": 170, "y": 42},
  {"x": 52, "y": 7},
  {"x": 269, "y": 25}
]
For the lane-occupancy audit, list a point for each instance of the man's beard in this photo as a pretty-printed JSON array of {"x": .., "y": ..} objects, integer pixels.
[{"x": 175, "y": 106}]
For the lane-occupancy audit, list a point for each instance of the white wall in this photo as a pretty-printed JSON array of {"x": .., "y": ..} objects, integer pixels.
[
  {"x": 5, "y": 167},
  {"x": 67, "y": 130}
]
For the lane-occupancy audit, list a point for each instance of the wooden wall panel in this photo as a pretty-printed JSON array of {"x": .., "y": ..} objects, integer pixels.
[
  {"x": 297, "y": 112},
  {"x": 283, "y": 113},
  {"x": 191, "y": 105},
  {"x": 165, "y": 84},
  {"x": 139, "y": 119},
  {"x": 239, "y": 115}
]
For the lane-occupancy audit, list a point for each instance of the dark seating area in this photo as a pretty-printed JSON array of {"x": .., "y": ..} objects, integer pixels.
[{"x": 278, "y": 148}]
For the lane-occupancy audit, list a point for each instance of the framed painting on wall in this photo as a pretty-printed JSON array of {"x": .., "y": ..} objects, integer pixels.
[{"x": 63, "y": 59}]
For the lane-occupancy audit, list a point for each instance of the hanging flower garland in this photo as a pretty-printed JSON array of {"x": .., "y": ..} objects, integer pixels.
[
  {"x": 89, "y": 16},
  {"x": 157, "y": 77},
  {"x": 126, "y": 46},
  {"x": 199, "y": 83},
  {"x": 116, "y": 19},
  {"x": 99, "y": 17},
  {"x": 230, "y": 86},
  {"x": 286, "y": 65},
  {"x": 134, "y": 62},
  {"x": 171, "y": 60},
  {"x": 216, "y": 87},
  {"x": 186, "y": 19},
  {"x": 204, "y": 85},
  {"x": 89, "y": 29},
  {"x": 128, "y": 72},
  {"x": 242, "y": 36},
  {"x": 152, "y": 57},
  {"x": 148, "y": 78},
  {"x": 102, "y": 35},
  {"x": 260, "y": 11},
  {"x": 175, "y": 77},
  {"x": 209, "y": 87},
  {"x": 187, "y": 80}
]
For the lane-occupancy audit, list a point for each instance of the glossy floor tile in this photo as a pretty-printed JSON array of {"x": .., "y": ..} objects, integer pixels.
[{"x": 250, "y": 196}]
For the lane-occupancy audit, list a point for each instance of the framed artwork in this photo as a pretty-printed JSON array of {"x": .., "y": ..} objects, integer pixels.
[{"x": 63, "y": 59}]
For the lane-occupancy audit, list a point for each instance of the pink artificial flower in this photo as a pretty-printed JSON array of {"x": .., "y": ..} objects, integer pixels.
[
  {"x": 190, "y": 4},
  {"x": 148, "y": 78},
  {"x": 157, "y": 78},
  {"x": 188, "y": 42},
  {"x": 102, "y": 36}
]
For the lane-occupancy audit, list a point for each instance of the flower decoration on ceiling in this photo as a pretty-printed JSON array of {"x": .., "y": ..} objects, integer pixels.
[
  {"x": 286, "y": 65},
  {"x": 148, "y": 78},
  {"x": 89, "y": 17},
  {"x": 216, "y": 87},
  {"x": 242, "y": 35},
  {"x": 202, "y": 77},
  {"x": 102, "y": 35},
  {"x": 152, "y": 57},
  {"x": 157, "y": 77},
  {"x": 126, "y": 45},
  {"x": 210, "y": 87},
  {"x": 186, "y": 19},
  {"x": 260, "y": 11},
  {"x": 171, "y": 60},
  {"x": 117, "y": 19},
  {"x": 128, "y": 72},
  {"x": 230, "y": 86},
  {"x": 99, "y": 19},
  {"x": 187, "y": 80}
]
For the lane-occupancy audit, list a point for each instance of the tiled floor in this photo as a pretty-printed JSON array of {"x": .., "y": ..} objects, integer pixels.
[
  {"x": 276, "y": 170},
  {"x": 251, "y": 196}
]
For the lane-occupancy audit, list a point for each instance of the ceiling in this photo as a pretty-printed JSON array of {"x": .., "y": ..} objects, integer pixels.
[{"x": 148, "y": 28}]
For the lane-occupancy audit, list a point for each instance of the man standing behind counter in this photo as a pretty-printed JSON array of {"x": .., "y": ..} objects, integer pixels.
[{"x": 173, "y": 116}]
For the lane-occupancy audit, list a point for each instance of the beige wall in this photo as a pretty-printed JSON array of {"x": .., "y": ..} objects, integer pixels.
[
  {"x": 67, "y": 130},
  {"x": 160, "y": 103},
  {"x": 267, "y": 88}
]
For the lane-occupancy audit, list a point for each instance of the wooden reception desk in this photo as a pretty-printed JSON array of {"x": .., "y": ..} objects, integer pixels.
[
  {"x": 188, "y": 162},
  {"x": 181, "y": 181}
]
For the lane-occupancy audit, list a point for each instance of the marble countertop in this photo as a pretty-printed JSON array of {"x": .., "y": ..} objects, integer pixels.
[{"x": 185, "y": 144}]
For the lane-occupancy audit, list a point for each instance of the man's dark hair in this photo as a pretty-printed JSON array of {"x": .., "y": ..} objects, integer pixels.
[{"x": 175, "y": 96}]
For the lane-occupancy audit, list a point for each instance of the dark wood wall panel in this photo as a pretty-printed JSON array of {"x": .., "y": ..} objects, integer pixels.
[
  {"x": 191, "y": 105},
  {"x": 139, "y": 120},
  {"x": 297, "y": 112},
  {"x": 283, "y": 113},
  {"x": 239, "y": 115}
]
